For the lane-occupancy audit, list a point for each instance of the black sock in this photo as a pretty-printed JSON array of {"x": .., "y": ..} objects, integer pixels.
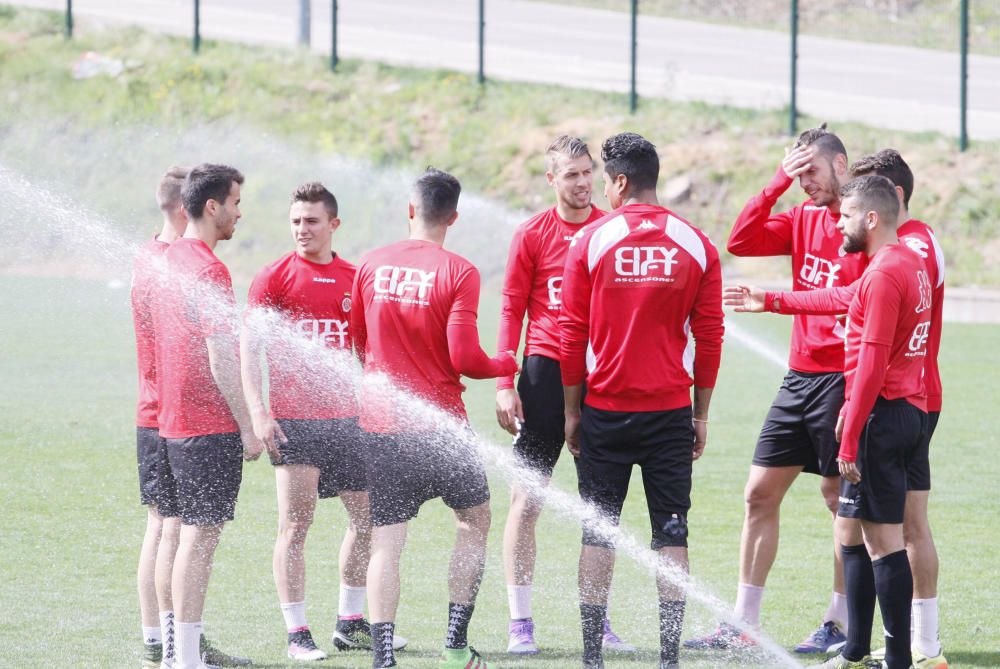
[
  {"x": 592, "y": 618},
  {"x": 894, "y": 585},
  {"x": 859, "y": 582},
  {"x": 671, "y": 621},
  {"x": 382, "y": 653},
  {"x": 459, "y": 616}
]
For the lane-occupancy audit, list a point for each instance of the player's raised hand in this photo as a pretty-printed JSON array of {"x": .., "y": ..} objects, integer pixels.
[
  {"x": 797, "y": 161},
  {"x": 745, "y": 299},
  {"x": 510, "y": 414}
]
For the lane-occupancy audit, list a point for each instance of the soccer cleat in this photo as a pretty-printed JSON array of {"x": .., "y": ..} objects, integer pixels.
[
  {"x": 920, "y": 661},
  {"x": 152, "y": 655},
  {"x": 212, "y": 656},
  {"x": 725, "y": 637},
  {"x": 827, "y": 639},
  {"x": 841, "y": 662},
  {"x": 612, "y": 643},
  {"x": 356, "y": 634},
  {"x": 521, "y": 637},
  {"x": 301, "y": 646},
  {"x": 462, "y": 658}
]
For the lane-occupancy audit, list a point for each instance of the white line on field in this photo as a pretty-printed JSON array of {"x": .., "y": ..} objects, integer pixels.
[{"x": 755, "y": 344}]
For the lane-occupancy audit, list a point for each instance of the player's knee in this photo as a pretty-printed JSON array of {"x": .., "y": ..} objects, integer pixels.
[
  {"x": 670, "y": 531},
  {"x": 476, "y": 518},
  {"x": 526, "y": 505},
  {"x": 761, "y": 500},
  {"x": 295, "y": 530},
  {"x": 917, "y": 533}
]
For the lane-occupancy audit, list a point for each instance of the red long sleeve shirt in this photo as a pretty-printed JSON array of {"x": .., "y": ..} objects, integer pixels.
[
  {"x": 637, "y": 283},
  {"x": 919, "y": 238},
  {"x": 888, "y": 329},
  {"x": 533, "y": 284},
  {"x": 809, "y": 235},
  {"x": 148, "y": 273}
]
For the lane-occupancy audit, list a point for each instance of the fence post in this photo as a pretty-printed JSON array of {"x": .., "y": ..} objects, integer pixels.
[
  {"x": 793, "y": 111},
  {"x": 196, "y": 41},
  {"x": 305, "y": 23},
  {"x": 633, "y": 99},
  {"x": 482, "y": 40},
  {"x": 333, "y": 36},
  {"x": 69, "y": 19},
  {"x": 963, "y": 139}
]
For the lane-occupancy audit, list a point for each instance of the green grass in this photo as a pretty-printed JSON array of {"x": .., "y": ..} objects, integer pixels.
[
  {"x": 929, "y": 24},
  {"x": 72, "y": 524}
]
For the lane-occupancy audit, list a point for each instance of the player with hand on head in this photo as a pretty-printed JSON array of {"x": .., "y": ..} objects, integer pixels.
[
  {"x": 414, "y": 326},
  {"x": 533, "y": 413}
]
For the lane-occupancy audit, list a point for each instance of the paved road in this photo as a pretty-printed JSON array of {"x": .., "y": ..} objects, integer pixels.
[{"x": 890, "y": 86}]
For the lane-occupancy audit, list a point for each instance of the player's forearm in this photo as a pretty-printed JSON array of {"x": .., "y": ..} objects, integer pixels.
[
  {"x": 469, "y": 359},
  {"x": 701, "y": 402},
  {"x": 750, "y": 235},
  {"x": 573, "y": 399},
  {"x": 225, "y": 369},
  {"x": 512, "y": 310},
  {"x": 869, "y": 377},
  {"x": 827, "y": 301},
  {"x": 252, "y": 375}
]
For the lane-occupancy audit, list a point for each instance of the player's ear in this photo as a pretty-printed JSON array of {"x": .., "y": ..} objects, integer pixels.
[
  {"x": 900, "y": 194},
  {"x": 550, "y": 177},
  {"x": 334, "y": 223},
  {"x": 452, "y": 219}
]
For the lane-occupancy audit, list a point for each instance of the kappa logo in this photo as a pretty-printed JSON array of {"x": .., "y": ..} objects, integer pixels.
[
  {"x": 555, "y": 292},
  {"x": 918, "y": 340},
  {"x": 323, "y": 279},
  {"x": 646, "y": 225},
  {"x": 645, "y": 263},
  {"x": 924, "y": 283},
  {"x": 575, "y": 238},
  {"x": 403, "y": 283},
  {"x": 818, "y": 272},
  {"x": 327, "y": 330},
  {"x": 917, "y": 245}
]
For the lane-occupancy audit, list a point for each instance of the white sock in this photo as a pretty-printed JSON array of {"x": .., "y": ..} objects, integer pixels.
[
  {"x": 295, "y": 615},
  {"x": 748, "y": 598},
  {"x": 188, "y": 649},
  {"x": 519, "y": 600},
  {"x": 352, "y": 601},
  {"x": 925, "y": 626},
  {"x": 837, "y": 611},
  {"x": 151, "y": 635},
  {"x": 168, "y": 631}
]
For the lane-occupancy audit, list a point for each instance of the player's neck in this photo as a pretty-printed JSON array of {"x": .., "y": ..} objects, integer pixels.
[
  {"x": 324, "y": 257},
  {"x": 878, "y": 241},
  {"x": 642, "y": 197},
  {"x": 904, "y": 216},
  {"x": 434, "y": 234},
  {"x": 203, "y": 231},
  {"x": 572, "y": 214},
  {"x": 173, "y": 229}
]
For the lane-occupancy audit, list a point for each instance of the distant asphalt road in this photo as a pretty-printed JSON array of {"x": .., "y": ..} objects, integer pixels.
[{"x": 888, "y": 86}]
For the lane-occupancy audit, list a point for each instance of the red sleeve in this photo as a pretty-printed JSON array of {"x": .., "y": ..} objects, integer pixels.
[
  {"x": 873, "y": 360},
  {"x": 469, "y": 359},
  {"x": 574, "y": 319},
  {"x": 514, "y": 298},
  {"x": 216, "y": 303},
  {"x": 835, "y": 301},
  {"x": 359, "y": 330},
  {"x": 707, "y": 323},
  {"x": 465, "y": 304},
  {"x": 758, "y": 232}
]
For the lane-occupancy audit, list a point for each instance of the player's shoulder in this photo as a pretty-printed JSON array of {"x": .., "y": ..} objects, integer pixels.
[
  {"x": 343, "y": 264},
  {"x": 282, "y": 265}
]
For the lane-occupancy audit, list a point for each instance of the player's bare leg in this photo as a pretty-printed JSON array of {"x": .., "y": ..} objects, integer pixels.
[
  {"x": 166, "y": 551},
  {"x": 383, "y": 590},
  {"x": 355, "y": 550},
  {"x": 923, "y": 559},
  {"x": 764, "y": 492},
  {"x": 671, "y": 585},
  {"x": 146, "y": 581},
  {"x": 465, "y": 573},
  {"x": 519, "y": 548},
  {"x": 597, "y": 564},
  {"x": 192, "y": 568}
]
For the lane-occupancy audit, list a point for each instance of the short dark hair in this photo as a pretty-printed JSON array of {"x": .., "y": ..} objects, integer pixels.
[
  {"x": 314, "y": 191},
  {"x": 168, "y": 191},
  {"x": 634, "y": 156},
  {"x": 825, "y": 141},
  {"x": 435, "y": 195},
  {"x": 208, "y": 182},
  {"x": 565, "y": 145},
  {"x": 874, "y": 193},
  {"x": 889, "y": 164}
]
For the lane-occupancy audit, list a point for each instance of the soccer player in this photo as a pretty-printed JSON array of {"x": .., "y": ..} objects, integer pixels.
[
  {"x": 154, "y": 576},
  {"x": 414, "y": 324},
  {"x": 636, "y": 283},
  {"x": 202, "y": 414},
  {"x": 312, "y": 421},
  {"x": 918, "y": 236},
  {"x": 798, "y": 433},
  {"x": 534, "y": 412}
]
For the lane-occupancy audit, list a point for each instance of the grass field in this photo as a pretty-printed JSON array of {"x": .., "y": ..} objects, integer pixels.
[{"x": 71, "y": 522}]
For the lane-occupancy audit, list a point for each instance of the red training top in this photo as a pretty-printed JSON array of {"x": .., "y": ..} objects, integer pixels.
[
  {"x": 147, "y": 272},
  {"x": 196, "y": 302},
  {"x": 533, "y": 283},
  {"x": 919, "y": 237},
  {"x": 414, "y": 320},
  {"x": 809, "y": 235},
  {"x": 637, "y": 283},
  {"x": 888, "y": 328},
  {"x": 316, "y": 301}
]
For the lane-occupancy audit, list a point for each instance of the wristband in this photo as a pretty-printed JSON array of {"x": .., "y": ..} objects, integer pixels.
[{"x": 700, "y": 420}]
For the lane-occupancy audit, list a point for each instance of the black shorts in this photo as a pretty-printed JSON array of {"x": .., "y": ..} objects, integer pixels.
[
  {"x": 334, "y": 446},
  {"x": 406, "y": 470},
  {"x": 543, "y": 431},
  {"x": 886, "y": 449},
  {"x": 918, "y": 474},
  {"x": 800, "y": 425},
  {"x": 662, "y": 444},
  {"x": 202, "y": 477},
  {"x": 148, "y": 451}
]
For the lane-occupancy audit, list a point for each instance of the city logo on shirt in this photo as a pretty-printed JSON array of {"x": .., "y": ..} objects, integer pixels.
[
  {"x": 917, "y": 245},
  {"x": 403, "y": 284},
  {"x": 924, "y": 282},
  {"x": 918, "y": 340},
  {"x": 327, "y": 330},
  {"x": 555, "y": 292},
  {"x": 635, "y": 264},
  {"x": 818, "y": 272}
]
